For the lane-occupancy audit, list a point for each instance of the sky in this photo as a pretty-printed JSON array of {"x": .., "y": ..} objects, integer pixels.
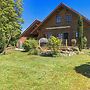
[{"x": 39, "y": 9}]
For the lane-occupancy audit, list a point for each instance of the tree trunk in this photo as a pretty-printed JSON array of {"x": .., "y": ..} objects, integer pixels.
[{"x": 5, "y": 46}]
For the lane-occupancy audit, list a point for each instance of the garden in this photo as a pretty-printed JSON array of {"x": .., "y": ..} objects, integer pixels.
[
  {"x": 20, "y": 71},
  {"x": 52, "y": 47}
]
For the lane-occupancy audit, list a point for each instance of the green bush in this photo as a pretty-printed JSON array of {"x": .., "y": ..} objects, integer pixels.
[
  {"x": 84, "y": 42},
  {"x": 30, "y": 44},
  {"x": 33, "y": 51},
  {"x": 26, "y": 45},
  {"x": 54, "y": 44},
  {"x": 80, "y": 32}
]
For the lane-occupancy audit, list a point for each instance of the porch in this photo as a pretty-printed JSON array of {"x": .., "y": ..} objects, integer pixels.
[{"x": 65, "y": 33}]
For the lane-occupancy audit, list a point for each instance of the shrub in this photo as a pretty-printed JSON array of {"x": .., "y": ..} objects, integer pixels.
[
  {"x": 30, "y": 44},
  {"x": 33, "y": 51},
  {"x": 54, "y": 44},
  {"x": 73, "y": 41},
  {"x": 84, "y": 42},
  {"x": 26, "y": 45},
  {"x": 33, "y": 43},
  {"x": 80, "y": 33}
]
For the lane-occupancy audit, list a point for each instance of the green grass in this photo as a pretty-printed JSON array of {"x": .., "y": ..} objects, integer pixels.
[{"x": 19, "y": 71}]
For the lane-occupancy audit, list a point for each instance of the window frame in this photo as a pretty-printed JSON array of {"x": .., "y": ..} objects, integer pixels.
[
  {"x": 68, "y": 18},
  {"x": 58, "y": 19},
  {"x": 60, "y": 35}
]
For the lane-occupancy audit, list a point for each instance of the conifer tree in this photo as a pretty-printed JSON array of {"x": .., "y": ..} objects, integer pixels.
[{"x": 80, "y": 33}]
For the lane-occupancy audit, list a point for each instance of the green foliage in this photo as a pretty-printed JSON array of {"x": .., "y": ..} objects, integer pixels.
[
  {"x": 33, "y": 43},
  {"x": 80, "y": 33},
  {"x": 54, "y": 44},
  {"x": 10, "y": 20},
  {"x": 31, "y": 46},
  {"x": 84, "y": 42},
  {"x": 1, "y": 46},
  {"x": 26, "y": 45},
  {"x": 33, "y": 51}
]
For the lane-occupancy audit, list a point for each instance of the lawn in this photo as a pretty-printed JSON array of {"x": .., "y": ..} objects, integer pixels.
[{"x": 19, "y": 71}]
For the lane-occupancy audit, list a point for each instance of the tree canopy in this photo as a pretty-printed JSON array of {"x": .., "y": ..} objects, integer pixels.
[{"x": 10, "y": 21}]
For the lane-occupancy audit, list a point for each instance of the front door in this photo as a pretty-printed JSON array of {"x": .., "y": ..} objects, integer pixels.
[
  {"x": 65, "y": 35},
  {"x": 65, "y": 39}
]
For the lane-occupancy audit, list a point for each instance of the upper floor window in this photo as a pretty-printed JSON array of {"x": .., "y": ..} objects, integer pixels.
[
  {"x": 68, "y": 18},
  {"x": 58, "y": 19}
]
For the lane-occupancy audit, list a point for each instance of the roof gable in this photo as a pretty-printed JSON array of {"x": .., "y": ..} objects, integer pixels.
[
  {"x": 62, "y": 5},
  {"x": 31, "y": 28}
]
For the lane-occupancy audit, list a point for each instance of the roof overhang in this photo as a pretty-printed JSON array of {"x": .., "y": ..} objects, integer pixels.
[
  {"x": 31, "y": 26},
  {"x": 61, "y": 27}
]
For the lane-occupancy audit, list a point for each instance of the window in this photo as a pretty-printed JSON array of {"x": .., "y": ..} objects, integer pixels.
[
  {"x": 65, "y": 36},
  {"x": 60, "y": 35},
  {"x": 68, "y": 18},
  {"x": 76, "y": 34},
  {"x": 58, "y": 19}
]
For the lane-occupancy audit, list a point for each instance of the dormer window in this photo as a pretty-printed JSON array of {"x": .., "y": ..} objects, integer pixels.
[
  {"x": 58, "y": 19},
  {"x": 68, "y": 18}
]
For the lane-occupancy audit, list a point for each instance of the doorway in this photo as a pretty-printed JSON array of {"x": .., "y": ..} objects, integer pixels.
[{"x": 65, "y": 35}]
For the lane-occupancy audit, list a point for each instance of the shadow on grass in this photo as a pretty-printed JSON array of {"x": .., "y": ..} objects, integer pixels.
[
  {"x": 83, "y": 70},
  {"x": 23, "y": 51}
]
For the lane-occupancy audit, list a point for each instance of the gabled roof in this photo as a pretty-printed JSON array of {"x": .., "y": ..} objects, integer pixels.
[
  {"x": 31, "y": 27},
  {"x": 69, "y": 8},
  {"x": 65, "y": 6}
]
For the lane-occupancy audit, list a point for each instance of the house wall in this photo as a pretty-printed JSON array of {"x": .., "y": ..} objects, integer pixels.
[
  {"x": 21, "y": 41},
  {"x": 51, "y": 22}
]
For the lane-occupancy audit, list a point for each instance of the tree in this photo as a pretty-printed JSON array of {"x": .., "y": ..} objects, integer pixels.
[
  {"x": 84, "y": 42},
  {"x": 80, "y": 33},
  {"x": 10, "y": 21}
]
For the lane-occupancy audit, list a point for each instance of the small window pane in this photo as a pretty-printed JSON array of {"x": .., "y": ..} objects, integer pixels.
[
  {"x": 60, "y": 35},
  {"x": 58, "y": 19},
  {"x": 68, "y": 18}
]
